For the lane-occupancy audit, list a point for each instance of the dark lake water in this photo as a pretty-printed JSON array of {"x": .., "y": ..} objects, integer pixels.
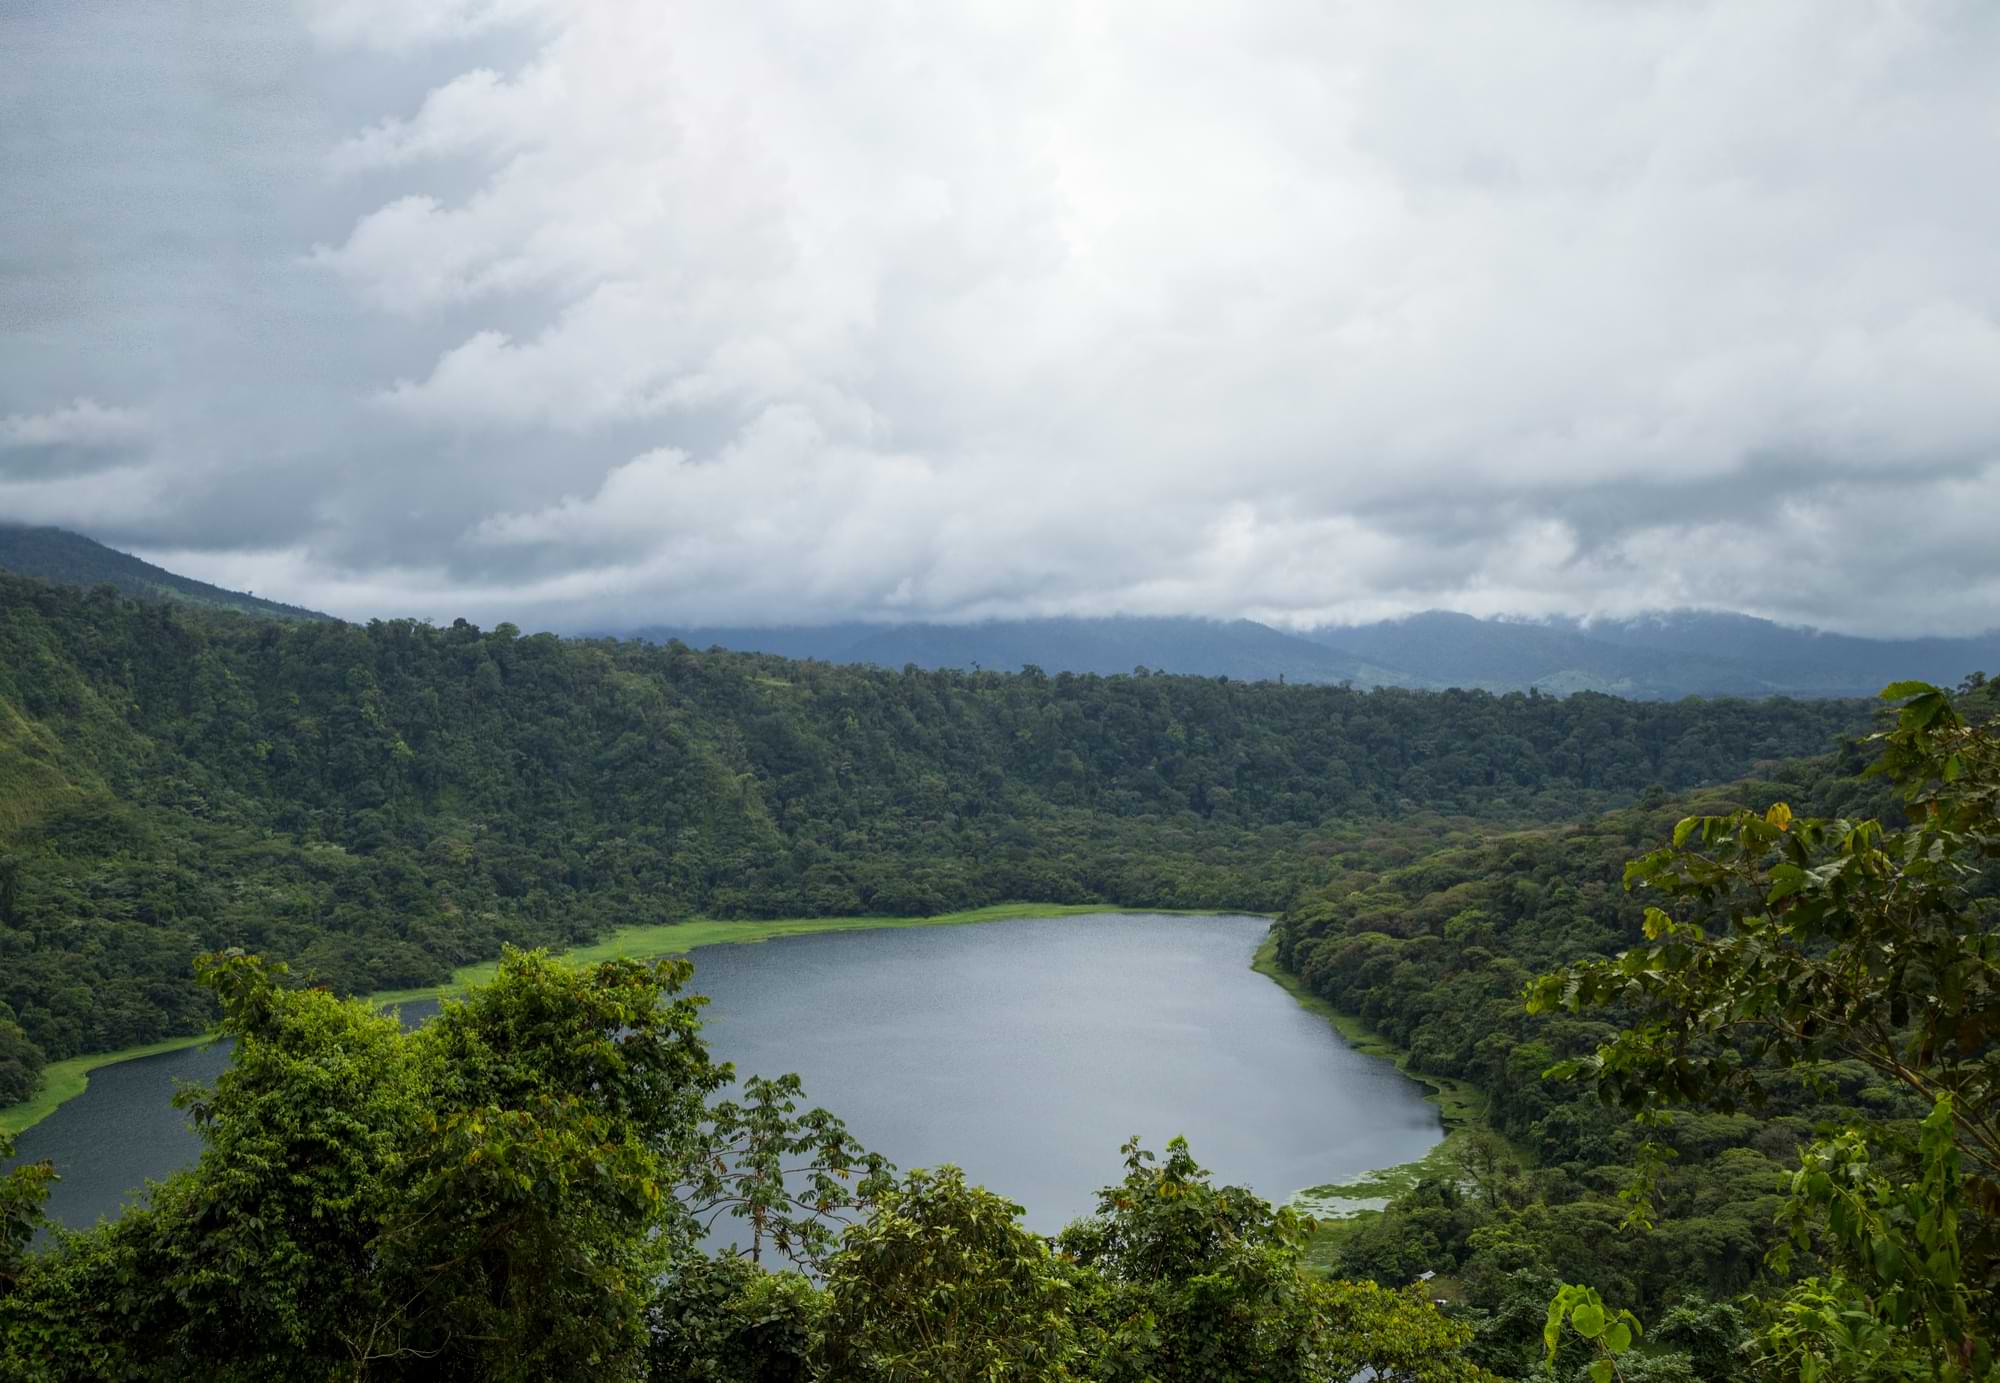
[{"x": 1024, "y": 1051}]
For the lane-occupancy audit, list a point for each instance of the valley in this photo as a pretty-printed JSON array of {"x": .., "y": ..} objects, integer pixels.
[{"x": 383, "y": 809}]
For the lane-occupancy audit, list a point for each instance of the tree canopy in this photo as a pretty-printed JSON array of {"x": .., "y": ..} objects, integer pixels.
[
  {"x": 1785, "y": 945},
  {"x": 516, "y": 1190},
  {"x": 1742, "y": 1125},
  {"x": 377, "y": 805}
]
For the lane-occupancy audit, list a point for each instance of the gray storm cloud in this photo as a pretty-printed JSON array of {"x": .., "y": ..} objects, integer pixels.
[{"x": 594, "y": 312}]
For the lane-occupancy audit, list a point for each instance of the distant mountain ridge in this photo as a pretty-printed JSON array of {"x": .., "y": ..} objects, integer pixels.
[
  {"x": 1662, "y": 654},
  {"x": 1105, "y": 646},
  {"x": 1813, "y": 657},
  {"x": 1659, "y": 656},
  {"x": 70, "y": 559}
]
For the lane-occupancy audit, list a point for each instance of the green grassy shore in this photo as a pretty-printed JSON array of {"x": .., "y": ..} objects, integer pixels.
[
  {"x": 65, "y": 1080},
  {"x": 1365, "y": 1192}
]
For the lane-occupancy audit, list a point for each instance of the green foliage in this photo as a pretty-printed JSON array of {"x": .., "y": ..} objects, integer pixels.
[
  {"x": 22, "y": 1191},
  {"x": 791, "y": 1177},
  {"x": 1193, "y": 1282},
  {"x": 1429, "y": 943},
  {"x": 942, "y": 1283},
  {"x": 1896, "y": 1302},
  {"x": 1712, "y": 1335},
  {"x": 1607, "y": 1333},
  {"x": 487, "y": 1191},
  {"x": 725, "y": 1320},
  {"x": 534, "y": 1211},
  {"x": 1832, "y": 938},
  {"x": 21, "y": 1063},
  {"x": 517, "y": 1191},
  {"x": 1796, "y": 946},
  {"x": 378, "y": 805},
  {"x": 1201, "y": 1282}
]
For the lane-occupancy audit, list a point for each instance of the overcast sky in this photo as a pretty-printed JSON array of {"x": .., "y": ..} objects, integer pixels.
[{"x": 621, "y": 311}]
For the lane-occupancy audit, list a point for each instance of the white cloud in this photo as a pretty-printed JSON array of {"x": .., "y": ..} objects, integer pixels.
[
  {"x": 480, "y": 112},
  {"x": 779, "y": 310},
  {"x": 397, "y": 26},
  {"x": 84, "y": 424},
  {"x": 124, "y": 499}
]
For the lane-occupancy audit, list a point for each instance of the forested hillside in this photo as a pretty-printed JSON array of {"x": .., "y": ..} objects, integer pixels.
[
  {"x": 1433, "y": 943},
  {"x": 518, "y": 1188},
  {"x": 378, "y": 804}
]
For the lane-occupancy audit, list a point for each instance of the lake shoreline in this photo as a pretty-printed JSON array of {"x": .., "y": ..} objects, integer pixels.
[
  {"x": 68, "y": 1078},
  {"x": 1461, "y": 1106},
  {"x": 945, "y": 1043}
]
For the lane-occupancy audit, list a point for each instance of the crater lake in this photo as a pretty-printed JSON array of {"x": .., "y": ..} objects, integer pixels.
[{"x": 1025, "y": 1051}]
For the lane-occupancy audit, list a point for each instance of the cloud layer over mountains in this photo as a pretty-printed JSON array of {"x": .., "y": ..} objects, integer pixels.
[{"x": 611, "y": 311}]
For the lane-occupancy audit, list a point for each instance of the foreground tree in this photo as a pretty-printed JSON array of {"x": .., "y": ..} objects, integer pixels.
[
  {"x": 22, "y": 1192},
  {"x": 483, "y": 1198},
  {"x": 942, "y": 1283},
  {"x": 1191, "y": 1281},
  {"x": 1784, "y": 945},
  {"x": 521, "y": 1189},
  {"x": 794, "y": 1180}
]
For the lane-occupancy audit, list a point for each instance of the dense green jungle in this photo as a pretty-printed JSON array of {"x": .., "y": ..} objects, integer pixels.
[
  {"x": 376, "y": 805},
  {"x": 1721, "y": 975}
]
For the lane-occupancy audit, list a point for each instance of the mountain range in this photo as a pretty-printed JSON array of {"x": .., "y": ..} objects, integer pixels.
[
  {"x": 1105, "y": 646},
  {"x": 1658, "y": 656},
  {"x": 1661, "y": 655}
]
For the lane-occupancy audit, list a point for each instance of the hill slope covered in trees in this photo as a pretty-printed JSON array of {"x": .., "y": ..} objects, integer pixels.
[
  {"x": 518, "y": 1188},
  {"x": 1432, "y": 942},
  {"x": 379, "y": 804}
]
